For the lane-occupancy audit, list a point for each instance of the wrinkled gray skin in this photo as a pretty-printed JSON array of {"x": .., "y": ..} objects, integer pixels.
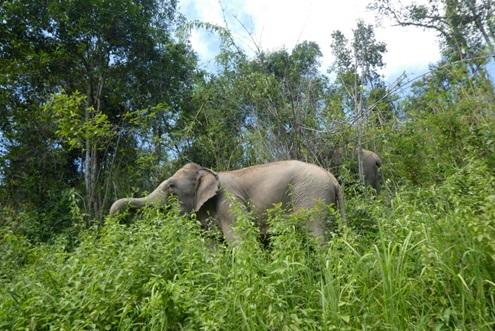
[
  {"x": 204, "y": 191},
  {"x": 371, "y": 164}
]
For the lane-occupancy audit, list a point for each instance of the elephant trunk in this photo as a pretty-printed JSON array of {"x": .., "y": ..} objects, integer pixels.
[{"x": 157, "y": 197}]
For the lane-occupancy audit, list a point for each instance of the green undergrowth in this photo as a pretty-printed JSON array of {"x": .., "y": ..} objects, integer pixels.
[{"x": 423, "y": 259}]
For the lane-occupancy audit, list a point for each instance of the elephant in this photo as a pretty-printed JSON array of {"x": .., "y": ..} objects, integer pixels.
[
  {"x": 206, "y": 192},
  {"x": 371, "y": 164}
]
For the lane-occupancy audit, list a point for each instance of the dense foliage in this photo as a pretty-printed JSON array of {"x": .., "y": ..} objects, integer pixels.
[
  {"x": 104, "y": 99},
  {"x": 425, "y": 262}
]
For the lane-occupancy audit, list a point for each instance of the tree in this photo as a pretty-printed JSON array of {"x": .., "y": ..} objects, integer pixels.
[
  {"x": 286, "y": 98},
  {"x": 465, "y": 27},
  {"x": 120, "y": 55},
  {"x": 358, "y": 81}
]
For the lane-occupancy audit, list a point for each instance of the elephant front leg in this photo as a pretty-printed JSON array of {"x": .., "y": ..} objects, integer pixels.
[
  {"x": 225, "y": 221},
  {"x": 228, "y": 232}
]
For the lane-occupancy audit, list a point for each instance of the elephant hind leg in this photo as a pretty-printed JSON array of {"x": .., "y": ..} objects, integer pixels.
[
  {"x": 314, "y": 195},
  {"x": 317, "y": 213},
  {"x": 315, "y": 227}
]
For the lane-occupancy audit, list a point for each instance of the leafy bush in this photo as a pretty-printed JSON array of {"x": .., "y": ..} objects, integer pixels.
[
  {"x": 428, "y": 263},
  {"x": 60, "y": 215},
  {"x": 429, "y": 147}
]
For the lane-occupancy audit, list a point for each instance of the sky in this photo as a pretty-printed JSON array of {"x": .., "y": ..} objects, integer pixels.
[{"x": 275, "y": 24}]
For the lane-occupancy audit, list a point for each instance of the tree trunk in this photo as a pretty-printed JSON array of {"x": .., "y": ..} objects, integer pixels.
[
  {"x": 359, "y": 113},
  {"x": 87, "y": 159},
  {"x": 91, "y": 164},
  {"x": 479, "y": 24},
  {"x": 87, "y": 177}
]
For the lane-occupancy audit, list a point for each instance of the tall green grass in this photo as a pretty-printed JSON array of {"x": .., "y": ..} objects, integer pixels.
[{"x": 427, "y": 261}]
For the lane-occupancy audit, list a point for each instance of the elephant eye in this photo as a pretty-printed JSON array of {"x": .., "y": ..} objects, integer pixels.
[{"x": 168, "y": 188}]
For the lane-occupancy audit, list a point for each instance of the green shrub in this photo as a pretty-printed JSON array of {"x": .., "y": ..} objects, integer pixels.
[
  {"x": 61, "y": 215},
  {"x": 428, "y": 147},
  {"x": 427, "y": 263}
]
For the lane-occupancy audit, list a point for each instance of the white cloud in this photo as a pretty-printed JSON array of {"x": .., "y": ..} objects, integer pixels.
[
  {"x": 408, "y": 48},
  {"x": 284, "y": 23}
]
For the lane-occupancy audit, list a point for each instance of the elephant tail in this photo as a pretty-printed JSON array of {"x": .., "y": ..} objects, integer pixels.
[
  {"x": 379, "y": 162},
  {"x": 340, "y": 201}
]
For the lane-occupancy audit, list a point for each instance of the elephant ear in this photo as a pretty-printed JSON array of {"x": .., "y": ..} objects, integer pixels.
[{"x": 207, "y": 187}]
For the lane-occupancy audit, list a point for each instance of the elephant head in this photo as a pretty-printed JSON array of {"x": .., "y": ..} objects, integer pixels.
[{"x": 193, "y": 185}]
